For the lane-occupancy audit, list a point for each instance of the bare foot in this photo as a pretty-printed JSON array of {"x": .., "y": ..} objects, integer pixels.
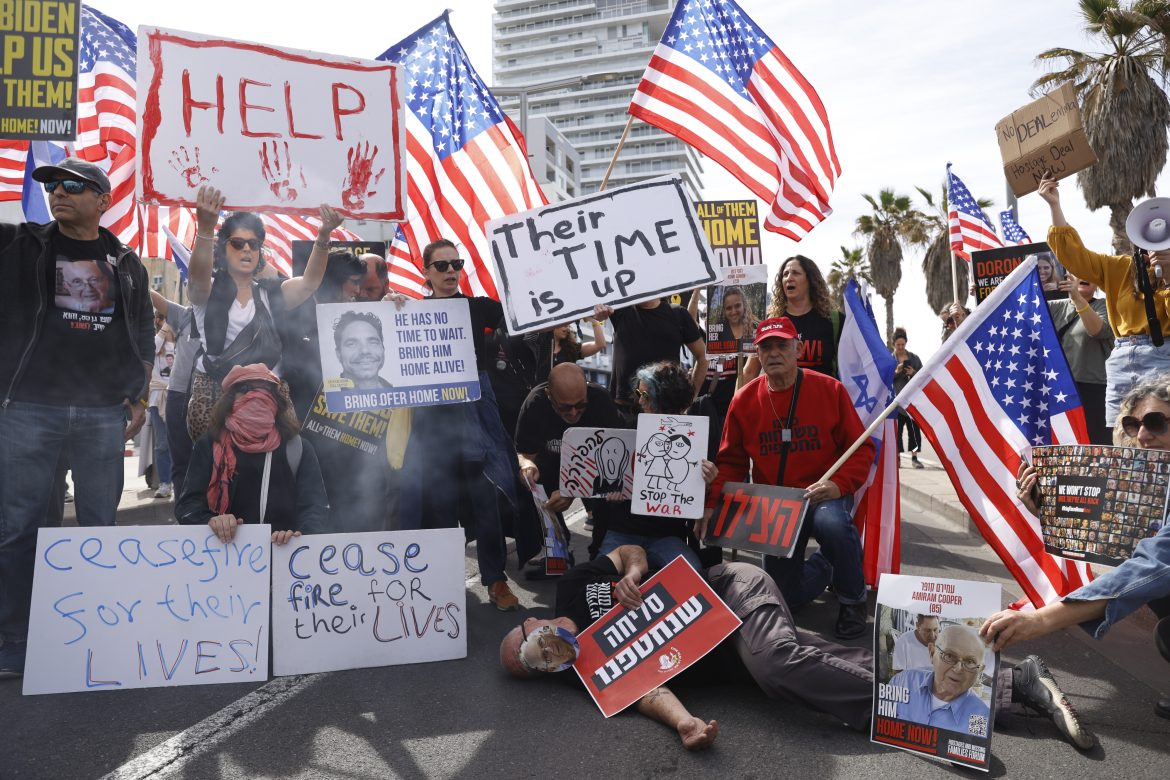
[{"x": 697, "y": 735}]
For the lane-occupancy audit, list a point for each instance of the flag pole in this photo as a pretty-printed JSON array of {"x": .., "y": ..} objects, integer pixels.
[
  {"x": 955, "y": 277},
  {"x": 873, "y": 426},
  {"x": 616, "y": 152}
]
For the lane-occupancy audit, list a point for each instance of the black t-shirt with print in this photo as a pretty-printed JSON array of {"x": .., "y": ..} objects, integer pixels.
[
  {"x": 819, "y": 346},
  {"x": 84, "y": 345},
  {"x": 540, "y": 429},
  {"x": 644, "y": 336}
]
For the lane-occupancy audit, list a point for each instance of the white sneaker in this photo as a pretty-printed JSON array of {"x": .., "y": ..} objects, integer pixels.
[{"x": 164, "y": 490}]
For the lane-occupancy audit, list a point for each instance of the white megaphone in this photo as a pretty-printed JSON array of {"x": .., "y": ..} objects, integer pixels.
[{"x": 1148, "y": 225}]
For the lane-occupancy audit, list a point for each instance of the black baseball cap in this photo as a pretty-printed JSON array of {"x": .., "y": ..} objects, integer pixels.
[{"x": 74, "y": 168}]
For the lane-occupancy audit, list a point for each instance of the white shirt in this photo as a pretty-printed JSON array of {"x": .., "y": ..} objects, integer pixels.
[
  {"x": 909, "y": 653},
  {"x": 239, "y": 315}
]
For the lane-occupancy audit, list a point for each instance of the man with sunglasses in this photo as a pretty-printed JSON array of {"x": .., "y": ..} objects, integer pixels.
[{"x": 76, "y": 355}]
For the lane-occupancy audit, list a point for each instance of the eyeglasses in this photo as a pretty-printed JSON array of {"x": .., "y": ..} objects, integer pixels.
[
  {"x": 1154, "y": 422},
  {"x": 642, "y": 393},
  {"x": 238, "y": 244},
  {"x": 442, "y": 265},
  {"x": 950, "y": 659},
  {"x": 549, "y": 653},
  {"x": 566, "y": 408},
  {"x": 72, "y": 186}
]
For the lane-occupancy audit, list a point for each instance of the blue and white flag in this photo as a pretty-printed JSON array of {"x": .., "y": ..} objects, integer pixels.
[{"x": 33, "y": 197}]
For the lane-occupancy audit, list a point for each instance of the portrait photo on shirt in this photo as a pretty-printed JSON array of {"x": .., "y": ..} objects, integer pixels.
[{"x": 88, "y": 286}]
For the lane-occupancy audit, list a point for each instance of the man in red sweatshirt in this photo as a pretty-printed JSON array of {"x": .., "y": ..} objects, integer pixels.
[{"x": 791, "y": 426}]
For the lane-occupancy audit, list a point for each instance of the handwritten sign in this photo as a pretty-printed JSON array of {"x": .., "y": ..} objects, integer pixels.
[
  {"x": 556, "y": 538},
  {"x": 668, "y": 473},
  {"x": 147, "y": 606},
  {"x": 276, "y": 129},
  {"x": 627, "y": 653},
  {"x": 352, "y": 601},
  {"x": 733, "y": 230},
  {"x": 763, "y": 518},
  {"x": 948, "y": 614},
  {"x": 597, "y": 462},
  {"x": 1047, "y": 135},
  {"x": 38, "y": 69},
  {"x": 734, "y": 307},
  {"x": 377, "y": 356},
  {"x": 620, "y": 247}
]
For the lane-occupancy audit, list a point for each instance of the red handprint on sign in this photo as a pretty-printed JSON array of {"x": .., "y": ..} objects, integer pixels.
[
  {"x": 356, "y": 187},
  {"x": 190, "y": 169},
  {"x": 280, "y": 176}
]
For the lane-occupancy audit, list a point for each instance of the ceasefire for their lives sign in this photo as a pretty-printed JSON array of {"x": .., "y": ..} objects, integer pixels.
[
  {"x": 733, "y": 230},
  {"x": 38, "y": 69},
  {"x": 627, "y": 653},
  {"x": 276, "y": 129},
  {"x": 762, "y": 518},
  {"x": 597, "y": 461},
  {"x": 668, "y": 473},
  {"x": 351, "y": 601},
  {"x": 147, "y": 606},
  {"x": 619, "y": 247},
  {"x": 379, "y": 356}
]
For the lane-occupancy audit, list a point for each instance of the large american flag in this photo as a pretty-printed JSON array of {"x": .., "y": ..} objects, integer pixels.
[
  {"x": 971, "y": 230},
  {"x": 466, "y": 162},
  {"x": 1000, "y": 385},
  {"x": 719, "y": 83},
  {"x": 1012, "y": 232}
]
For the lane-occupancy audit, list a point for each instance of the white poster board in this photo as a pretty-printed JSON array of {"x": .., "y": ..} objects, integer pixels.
[
  {"x": 597, "y": 462},
  {"x": 352, "y": 601},
  {"x": 379, "y": 356},
  {"x": 147, "y": 606},
  {"x": 276, "y": 129},
  {"x": 619, "y": 247},
  {"x": 668, "y": 472}
]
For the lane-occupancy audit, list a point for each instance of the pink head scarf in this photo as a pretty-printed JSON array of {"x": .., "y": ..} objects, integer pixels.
[{"x": 250, "y": 427}]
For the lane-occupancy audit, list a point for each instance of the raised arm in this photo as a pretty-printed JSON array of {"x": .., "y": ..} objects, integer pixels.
[
  {"x": 208, "y": 204},
  {"x": 598, "y": 343},
  {"x": 1050, "y": 192},
  {"x": 298, "y": 289},
  {"x": 698, "y": 350}
]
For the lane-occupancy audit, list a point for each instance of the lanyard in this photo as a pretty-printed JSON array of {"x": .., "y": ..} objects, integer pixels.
[{"x": 786, "y": 432}]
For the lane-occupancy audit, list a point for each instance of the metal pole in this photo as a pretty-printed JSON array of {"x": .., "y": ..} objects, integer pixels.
[
  {"x": 616, "y": 152},
  {"x": 955, "y": 278},
  {"x": 524, "y": 114}
]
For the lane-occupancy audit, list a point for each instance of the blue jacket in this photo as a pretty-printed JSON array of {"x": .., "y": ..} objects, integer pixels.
[{"x": 1141, "y": 579}]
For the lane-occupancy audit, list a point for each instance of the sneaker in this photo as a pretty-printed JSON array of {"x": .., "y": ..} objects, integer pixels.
[
  {"x": 850, "y": 621},
  {"x": 1034, "y": 687},
  {"x": 12, "y": 660},
  {"x": 502, "y": 596},
  {"x": 917, "y": 463},
  {"x": 165, "y": 490}
]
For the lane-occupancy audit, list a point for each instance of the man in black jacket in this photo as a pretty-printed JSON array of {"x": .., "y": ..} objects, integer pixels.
[{"x": 73, "y": 376}]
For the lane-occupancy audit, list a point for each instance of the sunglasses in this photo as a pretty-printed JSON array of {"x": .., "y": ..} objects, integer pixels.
[
  {"x": 566, "y": 408},
  {"x": 238, "y": 244},
  {"x": 1154, "y": 422},
  {"x": 72, "y": 186},
  {"x": 443, "y": 265}
]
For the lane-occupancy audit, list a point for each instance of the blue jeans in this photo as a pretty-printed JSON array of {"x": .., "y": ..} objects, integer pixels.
[
  {"x": 162, "y": 450},
  {"x": 660, "y": 550},
  {"x": 1133, "y": 359},
  {"x": 838, "y": 561},
  {"x": 32, "y": 436}
]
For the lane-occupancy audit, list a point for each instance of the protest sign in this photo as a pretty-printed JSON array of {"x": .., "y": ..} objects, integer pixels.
[
  {"x": 958, "y": 668},
  {"x": 278, "y": 130},
  {"x": 597, "y": 462},
  {"x": 619, "y": 247},
  {"x": 1097, "y": 503},
  {"x": 989, "y": 267},
  {"x": 429, "y": 345},
  {"x": 363, "y": 432},
  {"x": 352, "y": 601},
  {"x": 147, "y": 606},
  {"x": 1045, "y": 135},
  {"x": 668, "y": 473},
  {"x": 627, "y": 653},
  {"x": 302, "y": 249},
  {"x": 556, "y": 537},
  {"x": 738, "y": 302},
  {"x": 38, "y": 69},
  {"x": 733, "y": 230},
  {"x": 763, "y": 518}
]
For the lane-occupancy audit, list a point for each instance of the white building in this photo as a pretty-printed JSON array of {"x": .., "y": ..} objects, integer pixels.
[{"x": 556, "y": 164}]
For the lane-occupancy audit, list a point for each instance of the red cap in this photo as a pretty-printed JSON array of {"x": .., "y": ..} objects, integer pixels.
[{"x": 775, "y": 327}]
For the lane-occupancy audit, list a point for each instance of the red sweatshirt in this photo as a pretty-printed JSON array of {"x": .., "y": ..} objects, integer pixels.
[{"x": 824, "y": 426}]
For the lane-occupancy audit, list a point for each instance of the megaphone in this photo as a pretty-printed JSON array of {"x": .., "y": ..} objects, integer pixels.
[{"x": 1148, "y": 225}]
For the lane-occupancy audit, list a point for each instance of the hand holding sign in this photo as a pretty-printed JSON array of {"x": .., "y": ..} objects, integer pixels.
[
  {"x": 330, "y": 221},
  {"x": 208, "y": 204}
]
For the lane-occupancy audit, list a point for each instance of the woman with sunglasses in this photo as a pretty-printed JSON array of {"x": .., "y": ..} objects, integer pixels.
[
  {"x": 1143, "y": 579},
  {"x": 235, "y": 312}
]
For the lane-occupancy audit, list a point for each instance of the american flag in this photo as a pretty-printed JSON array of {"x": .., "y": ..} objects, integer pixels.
[
  {"x": 719, "y": 83},
  {"x": 1000, "y": 385},
  {"x": 466, "y": 161},
  {"x": 12, "y": 157},
  {"x": 1012, "y": 232},
  {"x": 971, "y": 230},
  {"x": 404, "y": 275}
]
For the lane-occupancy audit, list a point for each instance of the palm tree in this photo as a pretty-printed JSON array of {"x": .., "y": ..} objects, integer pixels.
[
  {"x": 936, "y": 264},
  {"x": 1125, "y": 111},
  {"x": 851, "y": 265},
  {"x": 893, "y": 224}
]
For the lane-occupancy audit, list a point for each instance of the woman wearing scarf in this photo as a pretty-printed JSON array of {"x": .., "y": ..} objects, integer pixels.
[{"x": 252, "y": 466}]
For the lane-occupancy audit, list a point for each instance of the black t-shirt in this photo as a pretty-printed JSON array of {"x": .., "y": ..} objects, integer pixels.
[
  {"x": 487, "y": 315},
  {"x": 585, "y": 592},
  {"x": 644, "y": 336},
  {"x": 540, "y": 429},
  {"x": 819, "y": 351},
  {"x": 84, "y": 349}
]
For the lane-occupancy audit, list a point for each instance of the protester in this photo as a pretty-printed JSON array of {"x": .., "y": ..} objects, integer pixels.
[
  {"x": 792, "y": 411},
  {"x": 252, "y": 466},
  {"x": 164, "y": 362},
  {"x": 182, "y": 323},
  {"x": 909, "y": 364},
  {"x": 1082, "y": 321},
  {"x": 1134, "y": 356},
  {"x": 74, "y": 376},
  {"x": 376, "y": 283},
  {"x": 952, "y": 317}
]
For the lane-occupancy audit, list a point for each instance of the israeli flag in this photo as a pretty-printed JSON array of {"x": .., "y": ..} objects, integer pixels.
[
  {"x": 864, "y": 363},
  {"x": 180, "y": 253},
  {"x": 34, "y": 198}
]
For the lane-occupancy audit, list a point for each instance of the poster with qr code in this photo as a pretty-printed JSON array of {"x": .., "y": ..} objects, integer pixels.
[{"x": 935, "y": 680}]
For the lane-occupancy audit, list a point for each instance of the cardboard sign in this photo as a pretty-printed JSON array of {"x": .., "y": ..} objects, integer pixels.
[
  {"x": 302, "y": 249},
  {"x": 989, "y": 267},
  {"x": 278, "y": 130},
  {"x": 619, "y": 247},
  {"x": 352, "y": 601},
  {"x": 597, "y": 461},
  {"x": 363, "y": 432},
  {"x": 379, "y": 356},
  {"x": 763, "y": 518},
  {"x": 39, "y": 45},
  {"x": 739, "y": 301},
  {"x": 627, "y": 653},
  {"x": 668, "y": 473},
  {"x": 556, "y": 537},
  {"x": 147, "y": 606},
  {"x": 909, "y": 675},
  {"x": 733, "y": 230},
  {"x": 1045, "y": 135},
  {"x": 1097, "y": 503}
]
